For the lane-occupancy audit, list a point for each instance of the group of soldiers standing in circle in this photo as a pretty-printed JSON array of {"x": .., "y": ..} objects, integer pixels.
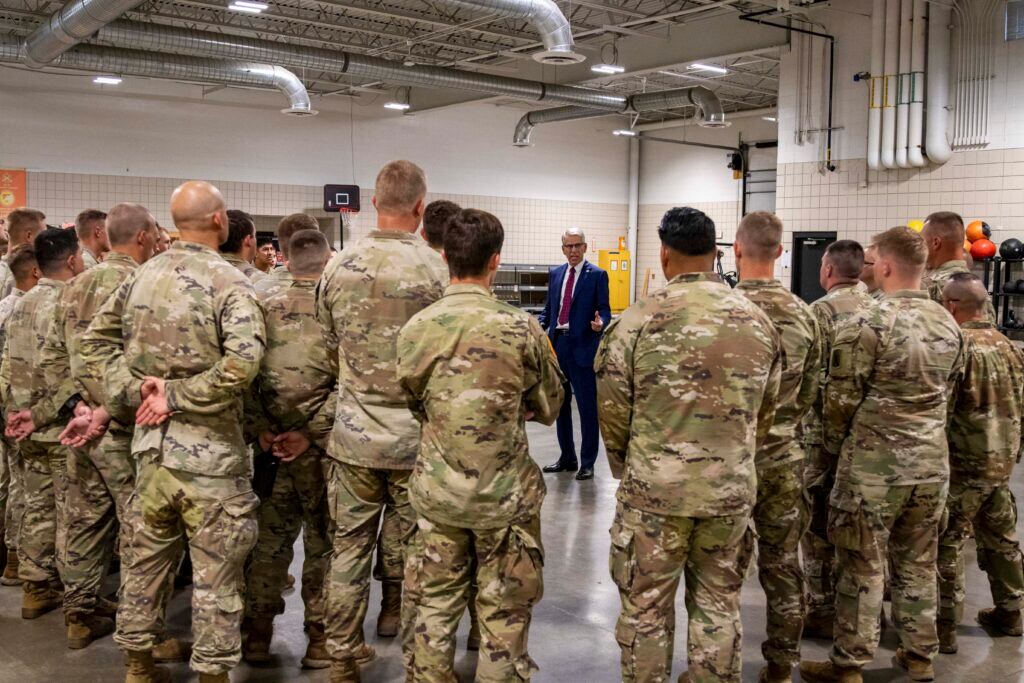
[{"x": 870, "y": 434}]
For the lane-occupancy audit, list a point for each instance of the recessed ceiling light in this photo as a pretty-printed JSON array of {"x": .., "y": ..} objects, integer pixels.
[
  {"x": 106, "y": 80},
  {"x": 608, "y": 69},
  {"x": 708, "y": 67},
  {"x": 398, "y": 106},
  {"x": 625, "y": 132}
]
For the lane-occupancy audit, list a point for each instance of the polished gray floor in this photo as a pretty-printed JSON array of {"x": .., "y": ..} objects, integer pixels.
[{"x": 572, "y": 637}]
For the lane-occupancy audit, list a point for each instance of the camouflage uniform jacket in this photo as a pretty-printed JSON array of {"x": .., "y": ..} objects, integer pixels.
[
  {"x": 89, "y": 259},
  {"x": 364, "y": 298},
  {"x": 891, "y": 374},
  {"x": 6, "y": 309},
  {"x": 61, "y": 360},
  {"x": 269, "y": 284},
  {"x": 878, "y": 294},
  {"x": 249, "y": 270},
  {"x": 296, "y": 374},
  {"x": 801, "y": 367},
  {"x": 472, "y": 367},
  {"x": 984, "y": 427},
  {"x": 935, "y": 281},
  {"x": 191, "y": 318},
  {"x": 687, "y": 383},
  {"x": 6, "y": 278},
  {"x": 841, "y": 302},
  {"x": 22, "y": 369}
]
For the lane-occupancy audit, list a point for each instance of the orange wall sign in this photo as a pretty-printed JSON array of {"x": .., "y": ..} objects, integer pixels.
[{"x": 13, "y": 190}]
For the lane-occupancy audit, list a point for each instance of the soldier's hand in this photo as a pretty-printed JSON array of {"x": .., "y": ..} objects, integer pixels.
[
  {"x": 597, "y": 324},
  {"x": 290, "y": 445},
  {"x": 84, "y": 429},
  {"x": 20, "y": 425},
  {"x": 154, "y": 410},
  {"x": 267, "y": 440}
]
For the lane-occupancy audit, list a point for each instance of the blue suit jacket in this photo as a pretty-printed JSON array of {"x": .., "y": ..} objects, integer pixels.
[{"x": 591, "y": 297}]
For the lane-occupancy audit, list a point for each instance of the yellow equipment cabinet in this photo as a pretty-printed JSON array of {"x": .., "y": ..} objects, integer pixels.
[{"x": 616, "y": 264}]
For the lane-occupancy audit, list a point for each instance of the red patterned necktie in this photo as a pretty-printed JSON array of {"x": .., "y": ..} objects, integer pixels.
[{"x": 563, "y": 312}]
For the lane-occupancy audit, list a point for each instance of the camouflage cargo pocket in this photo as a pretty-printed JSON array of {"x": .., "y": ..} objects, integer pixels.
[
  {"x": 242, "y": 527},
  {"x": 846, "y": 522},
  {"x": 853, "y": 613},
  {"x": 523, "y": 573},
  {"x": 622, "y": 559}
]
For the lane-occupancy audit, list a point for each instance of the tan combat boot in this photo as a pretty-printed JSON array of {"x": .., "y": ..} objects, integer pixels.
[
  {"x": 172, "y": 650},
  {"x": 10, "y": 577},
  {"x": 947, "y": 637},
  {"x": 256, "y": 647},
  {"x": 774, "y": 672},
  {"x": 38, "y": 599},
  {"x": 827, "y": 672},
  {"x": 917, "y": 668},
  {"x": 222, "y": 677},
  {"x": 344, "y": 671},
  {"x": 390, "y": 609},
  {"x": 1008, "y": 622},
  {"x": 141, "y": 669},
  {"x": 316, "y": 656},
  {"x": 85, "y": 628}
]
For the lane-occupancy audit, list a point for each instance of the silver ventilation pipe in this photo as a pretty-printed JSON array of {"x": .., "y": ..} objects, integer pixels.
[
  {"x": 158, "y": 38},
  {"x": 544, "y": 15},
  {"x": 176, "y": 67},
  {"x": 69, "y": 26},
  {"x": 712, "y": 114}
]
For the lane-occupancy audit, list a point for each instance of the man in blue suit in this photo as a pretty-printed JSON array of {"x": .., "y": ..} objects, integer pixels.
[{"x": 574, "y": 316}]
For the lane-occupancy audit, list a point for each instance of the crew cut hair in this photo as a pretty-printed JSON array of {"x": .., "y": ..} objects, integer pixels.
[
  {"x": 947, "y": 225},
  {"x": 84, "y": 221},
  {"x": 847, "y": 257},
  {"x": 904, "y": 246},
  {"x": 290, "y": 225},
  {"x": 435, "y": 220},
  {"x": 309, "y": 253},
  {"x": 240, "y": 226},
  {"x": 400, "y": 184},
  {"x": 21, "y": 261},
  {"x": 470, "y": 240},
  {"x": 126, "y": 220},
  {"x": 760, "y": 234},
  {"x": 53, "y": 246},
  {"x": 687, "y": 231},
  {"x": 22, "y": 220}
]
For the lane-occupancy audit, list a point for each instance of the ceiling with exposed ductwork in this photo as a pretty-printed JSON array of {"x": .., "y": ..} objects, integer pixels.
[{"x": 656, "y": 42}]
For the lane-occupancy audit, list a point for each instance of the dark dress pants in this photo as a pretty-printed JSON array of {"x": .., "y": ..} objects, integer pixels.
[{"x": 583, "y": 383}]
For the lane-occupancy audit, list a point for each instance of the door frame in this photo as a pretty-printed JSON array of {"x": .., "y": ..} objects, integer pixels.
[{"x": 797, "y": 254}]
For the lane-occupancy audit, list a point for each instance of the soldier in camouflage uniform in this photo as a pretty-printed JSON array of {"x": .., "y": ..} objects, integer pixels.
[
  {"x": 296, "y": 378},
  {"x": 840, "y": 266},
  {"x": 365, "y": 297},
  {"x": 179, "y": 342},
  {"x": 781, "y": 512},
  {"x": 91, "y": 228},
  {"x": 22, "y": 227},
  {"x": 26, "y": 274},
  {"x": 687, "y": 384},
  {"x": 42, "y": 540},
  {"x": 239, "y": 248},
  {"x": 984, "y": 440},
  {"x": 944, "y": 235},
  {"x": 475, "y": 370},
  {"x": 280, "y": 277},
  {"x": 867, "y": 274},
  {"x": 890, "y": 377},
  {"x": 98, "y": 487}
]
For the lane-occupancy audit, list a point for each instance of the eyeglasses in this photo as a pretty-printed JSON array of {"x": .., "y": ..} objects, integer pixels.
[{"x": 575, "y": 245}]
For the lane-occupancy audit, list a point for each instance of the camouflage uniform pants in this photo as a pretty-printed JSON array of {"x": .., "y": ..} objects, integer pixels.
[
  {"x": 389, "y": 566},
  {"x": 5, "y": 487},
  {"x": 780, "y": 518},
  {"x": 818, "y": 552},
  {"x": 42, "y": 539},
  {"x": 870, "y": 524},
  {"x": 991, "y": 514},
  {"x": 356, "y": 499},
  {"x": 92, "y": 529},
  {"x": 442, "y": 565},
  {"x": 217, "y": 517},
  {"x": 649, "y": 554},
  {"x": 15, "y": 492},
  {"x": 298, "y": 503}
]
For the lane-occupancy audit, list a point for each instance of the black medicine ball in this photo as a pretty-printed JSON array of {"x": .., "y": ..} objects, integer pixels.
[{"x": 1010, "y": 249}]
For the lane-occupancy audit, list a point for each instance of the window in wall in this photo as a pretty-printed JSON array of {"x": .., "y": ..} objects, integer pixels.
[{"x": 1015, "y": 20}]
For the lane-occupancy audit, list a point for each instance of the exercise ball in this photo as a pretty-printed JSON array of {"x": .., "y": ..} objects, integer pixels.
[
  {"x": 1011, "y": 249},
  {"x": 978, "y": 230},
  {"x": 916, "y": 225},
  {"x": 983, "y": 249}
]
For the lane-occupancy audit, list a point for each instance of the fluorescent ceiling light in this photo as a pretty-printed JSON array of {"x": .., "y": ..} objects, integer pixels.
[
  {"x": 399, "y": 106},
  {"x": 770, "y": 117},
  {"x": 106, "y": 80},
  {"x": 608, "y": 69},
  {"x": 625, "y": 132},
  {"x": 246, "y": 6},
  {"x": 708, "y": 67}
]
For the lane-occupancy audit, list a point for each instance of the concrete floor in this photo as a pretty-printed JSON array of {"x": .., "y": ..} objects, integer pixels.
[{"x": 572, "y": 636}]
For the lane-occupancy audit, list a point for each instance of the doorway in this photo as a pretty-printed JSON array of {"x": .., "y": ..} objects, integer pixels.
[{"x": 808, "y": 250}]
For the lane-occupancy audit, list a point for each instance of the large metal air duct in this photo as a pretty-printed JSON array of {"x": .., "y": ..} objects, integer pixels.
[
  {"x": 712, "y": 114},
  {"x": 69, "y": 26},
  {"x": 544, "y": 15},
  {"x": 202, "y": 43},
  {"x": 936, "y": 142},
  {"x": 176, "y": 67}
]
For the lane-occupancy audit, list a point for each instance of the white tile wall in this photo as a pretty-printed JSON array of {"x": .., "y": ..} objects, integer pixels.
[{"x": 726, "y": 216}]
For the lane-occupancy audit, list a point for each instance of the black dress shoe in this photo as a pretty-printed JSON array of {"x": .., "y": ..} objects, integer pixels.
[
  {"x": 585, "y": 473},
  {"x": 559, "y": 467}
]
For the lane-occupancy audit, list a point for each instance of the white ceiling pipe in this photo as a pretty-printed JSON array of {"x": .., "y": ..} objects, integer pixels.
[
  {"x": 876, "y": 85},
  {"x": 892, "y": 37},
  {"x": 696, "y": 121},
  {"x": 903, "y": 83},
  {"x": 936, "y": 141},
  {"x": 915, "y": 148}
]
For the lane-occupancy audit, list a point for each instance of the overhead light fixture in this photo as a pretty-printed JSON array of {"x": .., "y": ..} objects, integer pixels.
[
  {"x": 708, "y": 67},
  {"x": 106, "y": 80},
  {"x": 397, "y": 106},
  {"x": 770, "y": 117},
  {"x": 625, "y": 132},
  {"x": 610, "y": 69},
  {"x": 248, "y": 6}
]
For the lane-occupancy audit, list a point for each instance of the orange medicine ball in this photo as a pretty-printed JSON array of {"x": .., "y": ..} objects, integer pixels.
[
  {"x": 983, "y": 249},
  {"x": 976, "y": 231}
]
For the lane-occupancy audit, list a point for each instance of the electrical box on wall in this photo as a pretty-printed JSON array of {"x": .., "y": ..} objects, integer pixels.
[{"x": 616, "y": 263}]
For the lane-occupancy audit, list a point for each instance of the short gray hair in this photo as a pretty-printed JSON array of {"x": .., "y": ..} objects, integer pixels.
[{"x": 576, "y": 232}]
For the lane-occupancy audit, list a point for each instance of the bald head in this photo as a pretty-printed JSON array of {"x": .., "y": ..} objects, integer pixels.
[
  {"x": 965, "y": 297},
  {"x": 198, "y": 207}
]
